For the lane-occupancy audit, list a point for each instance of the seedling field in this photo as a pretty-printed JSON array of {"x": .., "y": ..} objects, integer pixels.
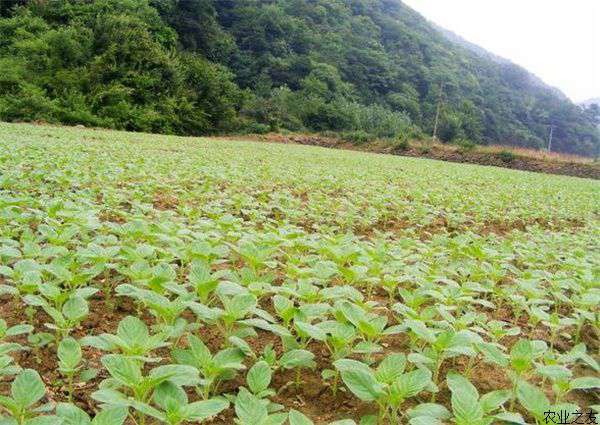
[{"x": 161, "y": 280}]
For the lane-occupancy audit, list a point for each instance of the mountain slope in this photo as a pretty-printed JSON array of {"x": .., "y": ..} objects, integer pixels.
[
  {"x": 590, "y": 102},
  {"x": 480, "y": 51},
  {"x": 392, "y": 56},
  {"x": 373, "y": 67}
]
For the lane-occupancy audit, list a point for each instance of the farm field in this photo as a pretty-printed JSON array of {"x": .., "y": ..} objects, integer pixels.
[{"x": 151, "y": 279}]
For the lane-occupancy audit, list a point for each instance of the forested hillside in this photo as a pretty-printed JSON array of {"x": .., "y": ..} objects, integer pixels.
[{"x": 373, "y": 67}]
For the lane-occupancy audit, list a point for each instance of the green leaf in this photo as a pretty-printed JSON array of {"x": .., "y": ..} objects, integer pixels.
[
  {"x": 412, "y": 383},
  {"x": 431, "y": 410},
  {"x": 276, "y": 419},
  {"x": 367, "y": 347},
  {"x": 421, "y": 330},
  {"x": 205, "y": 409},
  {"x": 75, "y": 309},
  {"x": 512, "y": 418},
  {"x": 494, "y": 399},
  {"x": 348, "y": 364},
  {"x": 249, "y": 409},
  {"x": 585, "y": 383},
  {"x": 493, "y": 354},
  {"x": 44, "y": 420},
  {"x": 464, "y": 400},
  {"x": 297, "y": 418},
  {"x": 27, "y": 388},
  {"x": 123, "y": 369},
  {"x": 178, "y": 374},
  {"x": 532, "y": 399},
  {"x": 98, "y": 342},
  {"x": 111, "y": 416},
  {"x": 111, "y": 397},
  {"x": 241, "y": 345},
  {"x": 297, "y": 358},
  {"x": 266, "y": 326},
  {"x": 170, "y": 397},
  {"x": 555, "y": 372},
  {"x": 241, "y": 304},
  {"x": 259, "y": 377},
  {"x": 133, "y": 331},
  {"x": 229, "y": 358},
  {"x": 69, "y": 354},
  {"x": 88, "y": 374},
  {"x": 425, "y": 420},
  {"x": 312, "y": 331},
  {"x": 199, "y": 350},
  {"x": 360, "y": 380},
  {"x": 152, "y": 412},
  {"x": 72, "y": 415},
  {"x": 391, "y": 368},
  {"x": 368, "y": 420},
  {"x": 19, "y": 330}
]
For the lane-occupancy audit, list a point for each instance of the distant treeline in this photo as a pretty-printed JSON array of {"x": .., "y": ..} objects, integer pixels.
[{"x": 372, "y": 68}]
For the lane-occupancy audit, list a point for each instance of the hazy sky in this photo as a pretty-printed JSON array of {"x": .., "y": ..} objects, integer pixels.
[{"x": 558, "y": 40}]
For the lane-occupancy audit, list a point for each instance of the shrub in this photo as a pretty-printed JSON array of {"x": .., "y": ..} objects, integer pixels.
[
  {"x": 258, "y": 128},
  {"x": 377, "y": 120},
  {"x": 358, "y": 137},
  {"x": 330, "y": 134},
  {"x": 506, "y": 156},
  {"x": 401, "y": 143},
  {"x": 464, "y": 145}
]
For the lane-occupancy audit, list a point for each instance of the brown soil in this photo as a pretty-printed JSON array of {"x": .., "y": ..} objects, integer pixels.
[
  {"x": 447, "y": 153},
  {"x": 313, "y": 397},
  {"x": 518, "y": 162},
  {"x": 165, "y": 201}
]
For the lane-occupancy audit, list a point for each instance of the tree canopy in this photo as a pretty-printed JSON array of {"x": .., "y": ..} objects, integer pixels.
[{"x": 207, "y": 66}]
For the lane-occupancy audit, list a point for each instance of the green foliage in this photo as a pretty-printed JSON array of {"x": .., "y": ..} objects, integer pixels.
[
  {"x": 214, "y": 369},
  {"x": 464, "y": 145},
  {"x": 358, "y": 137},
  {"x": 70, "y": 363},
  {"x": 73, "y": 415},
  {"x": 401, "y": 144},
  {"x": 173, "y": 407},
  {"x": 26, "y": 391},
  {"x": 390, "y": 385},
  {"x": 245, "y": 274},
  {"x": 203, "y": 66},
  {"x": 506, "y": 156},
  {"x": 132, "y": 339},
  {"x": 109, "y": 64}
]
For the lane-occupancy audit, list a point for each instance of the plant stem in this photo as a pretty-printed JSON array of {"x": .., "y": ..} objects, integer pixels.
[
  {"x": 514, "y": 396},
  {"x": 470, "y": 366},
  {"x": 335, "y": 383},
  {"x": 436, "y": 376},
  {"x": 70, "y": 386}
]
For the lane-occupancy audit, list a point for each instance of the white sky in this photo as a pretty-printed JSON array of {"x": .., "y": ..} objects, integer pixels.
[{"x": 558, "y": 40}]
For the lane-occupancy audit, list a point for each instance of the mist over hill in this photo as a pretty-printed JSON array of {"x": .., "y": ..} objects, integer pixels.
[
  {"x": 457, "y": 39},
  {"x": 590, "y": 102},
  {"x": 372, "y": 67}
]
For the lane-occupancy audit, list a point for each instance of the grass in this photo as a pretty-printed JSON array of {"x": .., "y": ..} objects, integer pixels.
[
  {"x": 543, "y": 155},
  {"x": 267, "y": 283}
]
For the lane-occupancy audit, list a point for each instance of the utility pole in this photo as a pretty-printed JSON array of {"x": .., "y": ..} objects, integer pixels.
[
  {"x": 437, "y": 112},
  {"x": 550, "y": 138}
]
